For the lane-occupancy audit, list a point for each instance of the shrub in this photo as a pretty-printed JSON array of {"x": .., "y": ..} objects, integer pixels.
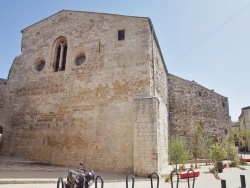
[
  {"x": 242, "y": 162},
  {"x": 168, "y": 178},
  {"x": 233, "y": 164},
  {"x": 192, "y": 167},
  {"x": 232, "y": 155},
  {"x": 218, "y": 153},
  {"x": 178, "y": 152}
]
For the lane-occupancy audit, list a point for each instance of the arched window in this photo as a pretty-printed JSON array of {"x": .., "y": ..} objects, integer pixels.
[{"x": 60, "y": 54}]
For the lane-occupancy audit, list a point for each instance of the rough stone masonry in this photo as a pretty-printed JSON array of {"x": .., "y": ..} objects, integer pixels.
[{"x": 94, "y": 87}]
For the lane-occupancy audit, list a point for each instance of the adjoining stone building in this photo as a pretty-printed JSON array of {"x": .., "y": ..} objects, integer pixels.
[
  {"x": 94, "y": 87},
  {"x": 191, "y": 104},
  {"x": 235, "y": 128},
  {"x": 244, "y": 121}
]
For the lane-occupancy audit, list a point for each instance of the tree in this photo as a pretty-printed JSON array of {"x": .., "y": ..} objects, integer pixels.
[
  {"x": 178, "y": 152},
  {"x": 208, "y": 143},
  {"x": 197, "y": 143},
  {"x": 244, "y": 135},
  {"x": 218, "y": 153},
  {"x": 231, "y": 153}
]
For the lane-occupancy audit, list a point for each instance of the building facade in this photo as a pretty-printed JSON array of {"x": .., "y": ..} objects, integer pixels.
[
  {"x": 94, "y": 87},
  {"x": 244, "y": 121}
]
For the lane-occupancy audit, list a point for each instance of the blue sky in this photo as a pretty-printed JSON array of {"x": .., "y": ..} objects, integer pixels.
[{"x": 207, "y": 41}]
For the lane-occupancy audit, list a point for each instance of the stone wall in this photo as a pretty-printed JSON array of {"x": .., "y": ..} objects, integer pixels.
[
  {"x": 145, "y": 136},
  {"x": 151, "y": 119},
  {"x": 5, "y": 114},
  {"x": 192, "y": 104},
  {"x": 3, "y": 91},
  {"x": 160, "y": 89}
]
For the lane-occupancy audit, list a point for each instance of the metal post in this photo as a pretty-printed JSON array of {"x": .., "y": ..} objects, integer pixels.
[
  {"x": 223, "y": 184},
  {"x": 243, "y": 181},
  {"x": 151, "y": 177}
]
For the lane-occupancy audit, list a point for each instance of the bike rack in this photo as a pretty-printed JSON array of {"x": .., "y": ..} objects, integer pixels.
[
  {"x": 151, "y": 177},
  {"x": 172, "y": 184},
  {"x": 99, "y": 177},
  {"x": 133, "y": 180},
  {"x": 60, "y": 180},
  {"x": 193, "y": 178}
]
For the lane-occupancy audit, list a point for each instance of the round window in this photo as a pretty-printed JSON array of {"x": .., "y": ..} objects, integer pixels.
[
  {"x": 80, "y": 60},
  {"x": 40, "y": 65}
]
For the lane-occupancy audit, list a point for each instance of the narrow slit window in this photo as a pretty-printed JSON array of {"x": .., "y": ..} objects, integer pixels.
[
  {"x": 121, "y": 35},
  {"x": 99, "y": 47}
]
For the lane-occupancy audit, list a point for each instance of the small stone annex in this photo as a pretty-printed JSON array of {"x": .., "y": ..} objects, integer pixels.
[{"x": 94, "y": 87}]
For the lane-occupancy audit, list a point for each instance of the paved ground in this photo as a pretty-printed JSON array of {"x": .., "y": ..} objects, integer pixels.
[{"x": 21, "y": 173}]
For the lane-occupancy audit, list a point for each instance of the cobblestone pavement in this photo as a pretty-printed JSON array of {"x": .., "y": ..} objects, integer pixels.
[{"x": 20, "y": 173}]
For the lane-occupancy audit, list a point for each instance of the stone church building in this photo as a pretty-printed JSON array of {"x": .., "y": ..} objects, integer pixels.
[{"x": 94, "y": 87}]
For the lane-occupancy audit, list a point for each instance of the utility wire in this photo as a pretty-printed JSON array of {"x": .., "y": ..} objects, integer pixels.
[{"x": 209, "y": 35}]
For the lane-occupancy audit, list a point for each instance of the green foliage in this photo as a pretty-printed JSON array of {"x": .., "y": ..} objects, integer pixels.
[
  {"x": 244, "y": 134},
  {"x": 230, "y": 138},
  {"x": 168, "y": 178},
  {"x": 218, "y": 153},
  {"x": 197, "y": 142},
  {"x": 208, "y": 143},
  {"x": 237, "y": 164},
  {"x": 233, "y": 164},
  {"x": 232, "y": 155},
  {"x": 178, "y": 152},
  {"x": 243, "y": 163}
]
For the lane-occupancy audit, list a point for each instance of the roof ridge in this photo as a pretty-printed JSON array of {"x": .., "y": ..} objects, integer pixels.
[{"x": 83, "y": 12}]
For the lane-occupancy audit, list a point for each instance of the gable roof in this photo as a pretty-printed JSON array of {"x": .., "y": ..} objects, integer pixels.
[{"x": 81, "y": 12}]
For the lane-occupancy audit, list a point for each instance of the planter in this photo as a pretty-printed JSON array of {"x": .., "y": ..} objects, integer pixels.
[
  {"x": 189, "y": 174},
  {"x": 246, "y": 160},
  {"x": 224, "y": 165}
]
